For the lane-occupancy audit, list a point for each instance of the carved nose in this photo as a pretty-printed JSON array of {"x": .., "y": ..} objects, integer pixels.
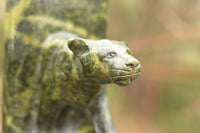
[{"x": 133, "y": 63}]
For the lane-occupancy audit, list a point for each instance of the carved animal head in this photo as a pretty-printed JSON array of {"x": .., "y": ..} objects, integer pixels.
[{"x": 106, "y": 61}]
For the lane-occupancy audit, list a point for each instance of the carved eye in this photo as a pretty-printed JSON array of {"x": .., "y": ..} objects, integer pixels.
[{"x": 111, "y": 55}]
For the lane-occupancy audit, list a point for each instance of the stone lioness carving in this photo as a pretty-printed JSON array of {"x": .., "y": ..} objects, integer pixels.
[
  {"x": 75, "y": 68},
  {"x": 58, "y": 87}
]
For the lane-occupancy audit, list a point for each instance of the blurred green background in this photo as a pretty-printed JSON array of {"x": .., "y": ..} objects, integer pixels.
[{"x": 165, "y": 37}]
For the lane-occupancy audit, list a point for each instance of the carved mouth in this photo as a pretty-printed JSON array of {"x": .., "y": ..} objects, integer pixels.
[
  {"x": 138, "y": 69},
  {"x": 134, "y": 76},
  {"x": 137, "y": 72},
  {"x": 124, "y": 77}
]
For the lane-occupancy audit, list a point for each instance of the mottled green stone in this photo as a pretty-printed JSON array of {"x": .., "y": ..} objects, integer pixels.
[{"x": 54, "y": 78}]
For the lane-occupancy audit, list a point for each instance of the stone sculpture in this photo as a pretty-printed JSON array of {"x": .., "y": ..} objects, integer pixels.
[{"x": 53, "y": 77}]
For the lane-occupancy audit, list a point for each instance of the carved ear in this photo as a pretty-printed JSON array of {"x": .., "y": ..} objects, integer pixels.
[{"x": 78, "y": 46}]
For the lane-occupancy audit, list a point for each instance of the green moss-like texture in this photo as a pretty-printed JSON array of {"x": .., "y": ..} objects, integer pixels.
[{"x": 53, "y": 78}]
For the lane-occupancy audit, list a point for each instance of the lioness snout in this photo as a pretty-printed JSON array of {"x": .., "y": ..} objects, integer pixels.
[{"x": 133, "y": 63}]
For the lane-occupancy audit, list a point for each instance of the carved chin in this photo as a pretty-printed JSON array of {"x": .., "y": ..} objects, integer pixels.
[{"x": 123, "y": 82}]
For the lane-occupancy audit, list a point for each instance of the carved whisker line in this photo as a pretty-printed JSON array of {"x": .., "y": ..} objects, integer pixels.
[
  {"x": 121, "y": 70},
  {"x": 137, "y": 74},
  {"x": 126, "y": 76}
]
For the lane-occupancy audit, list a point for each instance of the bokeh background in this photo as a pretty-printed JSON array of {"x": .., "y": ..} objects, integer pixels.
[{"x": 165, "y": 37}]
